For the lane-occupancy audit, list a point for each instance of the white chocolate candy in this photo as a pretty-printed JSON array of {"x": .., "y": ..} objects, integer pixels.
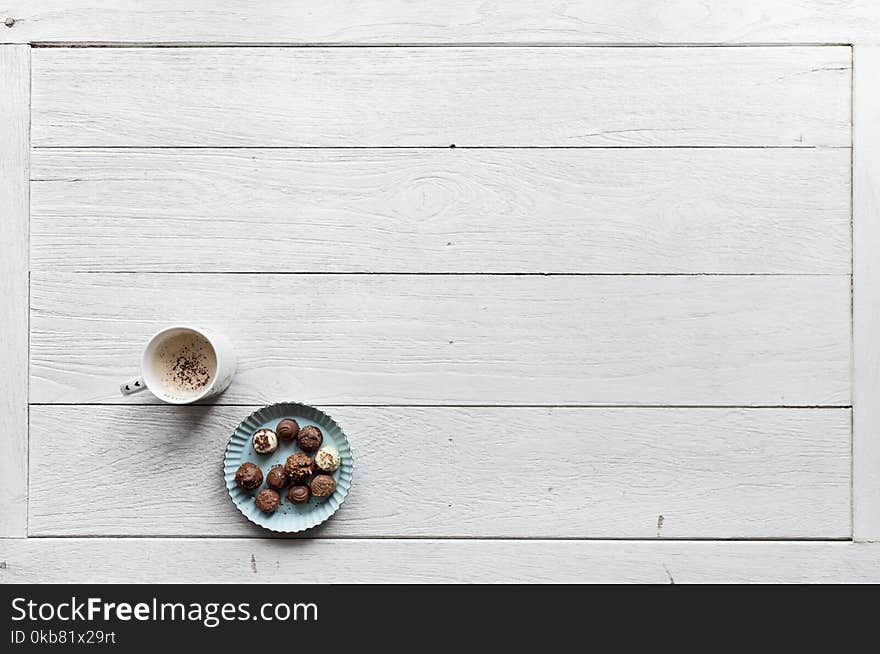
[
  {"x": 328, "y": 459},
  {"x": 265, "y": 441}
]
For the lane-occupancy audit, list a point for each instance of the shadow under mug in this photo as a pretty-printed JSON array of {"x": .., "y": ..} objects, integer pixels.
[{"x": 150, "y": 373}]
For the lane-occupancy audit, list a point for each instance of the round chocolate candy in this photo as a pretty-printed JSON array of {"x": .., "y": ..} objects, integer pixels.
[
  {"x": 309, "y": 438},
  {"x": 268, "y": 500},
  {"x": 248, "y": 476},
  {"x": 328, "y": 459},
  {"x": 276, "y": 478},
  {"x": 299, "y": 467},
  {"x": 323, "y": 486},
  {"x": 287, "y": 429},
  {"x": 265, "y": 441},
  {"x": 299, "y": 494}
]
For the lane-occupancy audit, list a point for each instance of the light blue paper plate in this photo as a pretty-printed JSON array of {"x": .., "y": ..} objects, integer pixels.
[{"x": 289, "y": 517}]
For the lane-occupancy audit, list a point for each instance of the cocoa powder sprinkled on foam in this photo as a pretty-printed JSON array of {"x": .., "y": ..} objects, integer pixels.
[
  {"x": 189, "y": 370},
  {"x": 189, "y": 364}
]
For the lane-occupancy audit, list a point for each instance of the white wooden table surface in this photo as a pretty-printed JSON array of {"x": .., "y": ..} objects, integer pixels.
[{"x": 593, "y": 287}]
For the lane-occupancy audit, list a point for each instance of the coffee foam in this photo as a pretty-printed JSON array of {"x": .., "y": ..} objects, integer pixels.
[{"x": 184, "y": 364}]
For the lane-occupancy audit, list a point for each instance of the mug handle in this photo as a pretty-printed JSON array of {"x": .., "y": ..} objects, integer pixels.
[{"x": 132, "y": 386}]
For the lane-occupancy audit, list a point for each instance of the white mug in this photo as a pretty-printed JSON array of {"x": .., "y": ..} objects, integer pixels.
[{"x": 184, "y": 364}]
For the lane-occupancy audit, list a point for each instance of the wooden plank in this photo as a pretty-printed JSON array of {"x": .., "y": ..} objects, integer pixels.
[
  {"x": 596, "y": 210},
  {"x": 327, "y": 97},
  {"x": 76, "y": 560},
  {"x": 866, "y": 295},
  {"x": 452, "y": 21},
  {"x": 710, "y": 473},
  {"x": 14, "y": 121},
  {"x": 461, "y": 339}
]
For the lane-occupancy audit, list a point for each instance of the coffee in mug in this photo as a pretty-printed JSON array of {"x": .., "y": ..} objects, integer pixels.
[{"x": 184, "y": 364}]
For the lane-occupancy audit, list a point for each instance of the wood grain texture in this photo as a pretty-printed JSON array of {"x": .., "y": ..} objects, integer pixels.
[
  {"x": 14, "y": 146},
  {"x": 437, "y": 339},
  {"x": 41, "y": 560},
  {"x": 452, "y": 21},
  {"x": 440, "y": 96},
  {"x": 470, "y": 472},
  {"x": 593, "y": 210},
  {"x": 866, "y": 295}
]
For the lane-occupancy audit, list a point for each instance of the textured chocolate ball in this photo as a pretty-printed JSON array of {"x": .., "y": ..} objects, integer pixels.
[
  {"x": 309, "y": 438},
  {"x": 265, "y": 441},
  {"x": 287, "y": 429},
  {"x": 328, "y": 459},
  {"x": 323, "y": 486},
  {"x": 248, "y": 476},
  {"x": 268, "y": 500},
  {"x": 299, "y": 494},
  {"x": 299, "y": 467},
  {"x": 276, "y": 478}
]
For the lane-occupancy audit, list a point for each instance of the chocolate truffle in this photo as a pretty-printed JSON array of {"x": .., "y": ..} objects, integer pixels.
[
  {"x": 299, "y": 467},
  {"x": 310, "y": 438},
  {"x": 267, "y": 500},
  {"x": 287, "y": 429},
  {"x": 265, "y": 441},
  {"x": 328, "y": 459},
  {"x": 248, "y": 476},
  {"x": 323, "y": 486},
  {"x": 299, "y": 494},
  {"x": 276, "y": 478}
]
